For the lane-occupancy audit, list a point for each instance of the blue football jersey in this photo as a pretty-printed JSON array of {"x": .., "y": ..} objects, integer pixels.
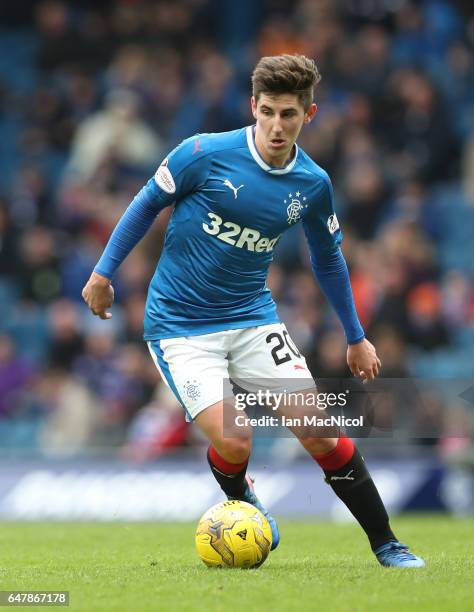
[{"x": 231, "y": 208}]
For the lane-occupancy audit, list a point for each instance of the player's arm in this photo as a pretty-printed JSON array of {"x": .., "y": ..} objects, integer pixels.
[
  {"x": 98, "y": 293},
  {"x": 180, "y": 173},
  {"x": 330, "y": 269}
]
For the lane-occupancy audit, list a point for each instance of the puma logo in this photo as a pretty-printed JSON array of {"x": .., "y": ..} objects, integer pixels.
[
  {"x": 197, "y": 148},
  {"x": 228, "y": 184},
  {"x": 346, "y": 477}
]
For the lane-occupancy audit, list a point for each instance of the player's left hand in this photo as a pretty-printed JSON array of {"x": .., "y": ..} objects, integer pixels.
[{"x": 363, "y": 361}]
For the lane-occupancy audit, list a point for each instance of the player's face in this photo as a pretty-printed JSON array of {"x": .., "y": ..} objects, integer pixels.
[{"x": 279, "y": 122}]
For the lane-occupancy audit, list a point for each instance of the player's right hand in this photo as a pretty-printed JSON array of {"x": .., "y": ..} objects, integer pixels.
[
  {"x": 98, "y": 294},
  {"x": 363, "y": 361}
]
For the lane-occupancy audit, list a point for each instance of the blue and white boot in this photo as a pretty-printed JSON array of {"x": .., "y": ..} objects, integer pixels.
[
  {"x": 396, "y": 554},
  {"x": 250, "y": 497}
]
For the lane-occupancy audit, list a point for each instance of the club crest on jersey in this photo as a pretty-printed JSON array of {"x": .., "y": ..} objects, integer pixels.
[
  {"x": 164, "y": 178},
  {"x": 294, "y": 208},
  {"x": 333, "y": 224}
]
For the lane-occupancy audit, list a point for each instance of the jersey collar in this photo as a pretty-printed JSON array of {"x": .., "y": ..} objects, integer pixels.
[{"x": 263, "y": 164}]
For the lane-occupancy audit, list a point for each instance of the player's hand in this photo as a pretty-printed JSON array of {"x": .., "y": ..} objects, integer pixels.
[
  {"x": 98, "y": 294},
  {"x": 363, "y": 361}
]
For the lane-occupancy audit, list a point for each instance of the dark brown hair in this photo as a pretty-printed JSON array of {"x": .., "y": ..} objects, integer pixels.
[{"x": 290, "y": 74}]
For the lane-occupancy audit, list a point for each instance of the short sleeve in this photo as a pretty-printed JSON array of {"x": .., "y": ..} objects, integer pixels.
[
  {"x": 183, "y": 171},
  {"x": 320, "y": 224}
]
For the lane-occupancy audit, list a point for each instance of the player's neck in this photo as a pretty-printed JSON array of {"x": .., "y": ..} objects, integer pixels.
[{"x": 275, "y": 161}]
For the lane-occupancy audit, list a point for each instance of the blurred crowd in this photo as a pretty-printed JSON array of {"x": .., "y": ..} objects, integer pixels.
[{"x": 92, "y": 97}]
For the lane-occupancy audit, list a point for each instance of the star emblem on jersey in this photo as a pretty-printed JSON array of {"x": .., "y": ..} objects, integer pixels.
[
  {"x": 297, "y": 203},
  {"x": 191, "y": 388}
]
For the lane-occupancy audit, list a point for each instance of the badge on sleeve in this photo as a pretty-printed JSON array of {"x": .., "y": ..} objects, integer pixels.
[
  {"x": 333, "y": 224},
  {"x": 164, "y": 178}
]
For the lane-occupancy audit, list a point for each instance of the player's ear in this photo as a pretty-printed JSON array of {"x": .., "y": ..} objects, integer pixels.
[
  {"x": 253, "y": 104},
  {"x": 313, "y": 109}
]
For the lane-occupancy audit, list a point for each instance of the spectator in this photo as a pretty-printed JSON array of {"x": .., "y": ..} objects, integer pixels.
[
  {"x": 15, "y": 377},
  {"x": 115, "y": 133}
]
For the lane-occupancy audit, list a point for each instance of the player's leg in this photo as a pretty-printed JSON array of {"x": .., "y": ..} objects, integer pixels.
[
  {"x": 346, "y": 473},
  {"x": 228, "y": 456},
  {"x": 195, "y": 369},
  {"x": 275, "y": 356}
]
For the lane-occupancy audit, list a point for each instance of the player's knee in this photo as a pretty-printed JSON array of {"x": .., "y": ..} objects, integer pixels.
[
  {"x": 236, "y": 450},
  {"x": 319, "y": 446}
]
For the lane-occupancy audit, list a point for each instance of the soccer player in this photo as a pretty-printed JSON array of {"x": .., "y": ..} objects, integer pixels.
[{"x": 209, "y": 314}]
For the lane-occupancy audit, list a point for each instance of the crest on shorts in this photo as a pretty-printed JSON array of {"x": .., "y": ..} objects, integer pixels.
[
  {"x": 191, "y": 388},
  {"x": 295, "y": 204}
]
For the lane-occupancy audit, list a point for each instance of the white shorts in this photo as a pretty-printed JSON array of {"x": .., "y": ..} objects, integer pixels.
[{"x": 198, "y": 368}]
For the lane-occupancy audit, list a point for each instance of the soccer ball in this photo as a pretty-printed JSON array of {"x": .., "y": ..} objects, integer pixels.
[{"x": 233, "y": 534}]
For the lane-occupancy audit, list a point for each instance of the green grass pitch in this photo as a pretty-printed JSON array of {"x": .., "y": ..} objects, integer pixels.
[{"x": 318, "y": 566}]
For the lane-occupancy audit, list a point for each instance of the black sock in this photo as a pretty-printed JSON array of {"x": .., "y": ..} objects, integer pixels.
[
  {"x": 233, "y": 485},
  {"x": 354, "y": 486}
]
